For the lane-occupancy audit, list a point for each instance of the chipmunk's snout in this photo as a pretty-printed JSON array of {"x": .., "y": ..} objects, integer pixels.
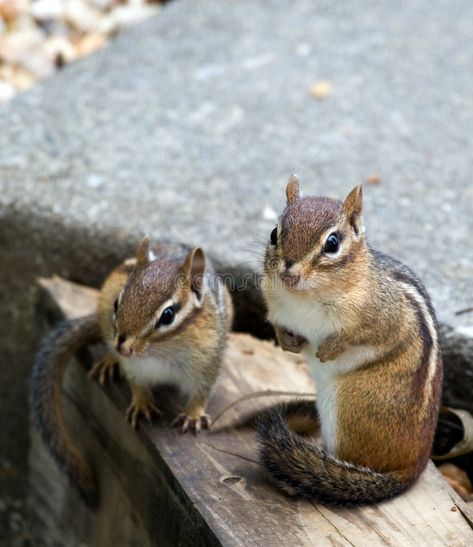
[
  {"x": 123, "y": 346},
  {"x": 289, "y": 278}
]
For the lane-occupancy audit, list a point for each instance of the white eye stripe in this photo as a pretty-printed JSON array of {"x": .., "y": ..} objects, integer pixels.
[
  {"x": 337, "y": 253},
  {"x": 116, "y": 304},
  {"x": 430, "y": 324},
  {"x": 309, "y": 257},
  {"x": 180, "y": 315},
  {"x": 152, "y": 324},
  {"x": 166, "y": 304}
]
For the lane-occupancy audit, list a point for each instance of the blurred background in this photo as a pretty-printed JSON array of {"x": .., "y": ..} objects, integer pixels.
[
  {"x": 38, "y": 37},
  {"x": 184, "y": 120}
]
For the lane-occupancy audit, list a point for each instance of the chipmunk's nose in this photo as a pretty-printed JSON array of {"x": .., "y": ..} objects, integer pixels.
[
  {"x": 290, "y": 279},
  {"x": 122, "y": 348}
]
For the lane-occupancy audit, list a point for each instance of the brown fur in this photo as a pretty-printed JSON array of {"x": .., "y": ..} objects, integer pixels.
[
  {"x": 147, "y": 288},
  {"x": 292, "y": 189},
  {"x": 139, "y": 287},
  {"x": 298, "y": 236},
  {"x": 386, "y": 407},
  {"x": 46, "y": 400}
]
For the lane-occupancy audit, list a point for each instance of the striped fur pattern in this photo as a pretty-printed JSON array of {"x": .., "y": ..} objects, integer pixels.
[
  {"x": 368, "y": 330},
  {"x": 187, "y": 353},
  {"x": 46, "y": 399}
]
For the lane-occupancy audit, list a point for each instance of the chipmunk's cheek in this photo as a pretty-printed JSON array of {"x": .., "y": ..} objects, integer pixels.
[
  {"x": 290, "y": 280},
  {"x": 141, "y": 348},
  {"x": 308, "y": 283},
  {"x": 274, "y": 266},
  {"x": 307, "y": 274}
]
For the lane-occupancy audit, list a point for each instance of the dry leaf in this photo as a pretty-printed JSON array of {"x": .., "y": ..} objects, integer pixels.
[{"x": 465, "y": 445}]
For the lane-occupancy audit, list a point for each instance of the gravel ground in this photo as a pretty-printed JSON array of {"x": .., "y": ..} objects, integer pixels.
[{"x": 37, "y": 37}]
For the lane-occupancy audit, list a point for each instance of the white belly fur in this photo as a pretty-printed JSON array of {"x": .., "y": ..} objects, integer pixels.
[
  {"x": 308, "y": 318},
  {"x": 154, "y": 370},
  {"x": 302, "y": 315},
  {"x": 325, "y": 376}
]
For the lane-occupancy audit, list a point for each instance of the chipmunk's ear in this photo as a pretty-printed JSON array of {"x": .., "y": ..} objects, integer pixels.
[
  {"x": 352, "y": 208},
  {"x": 143, "y": 252},
  {"x": 193, "y": 269},
  {"x": 292, "y": 189}
]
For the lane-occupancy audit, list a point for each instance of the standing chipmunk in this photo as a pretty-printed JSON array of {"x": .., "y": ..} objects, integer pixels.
[
  {"x": 164, "y": 317},
  {"x": 369, "y": 332}
]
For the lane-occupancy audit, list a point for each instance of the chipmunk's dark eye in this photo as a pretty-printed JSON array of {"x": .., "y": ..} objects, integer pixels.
[
  {"x": 167, "y": 317},
  {"x": 115, "y": 306},
  {"x": 332, "y": 244},
  {"x": 274, "y": 237}
]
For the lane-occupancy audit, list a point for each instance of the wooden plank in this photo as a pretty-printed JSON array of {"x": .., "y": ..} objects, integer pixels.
[{"x": 215, "y": 477}]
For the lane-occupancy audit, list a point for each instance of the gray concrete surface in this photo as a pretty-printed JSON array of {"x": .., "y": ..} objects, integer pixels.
[{"x": 188, "y": 127}]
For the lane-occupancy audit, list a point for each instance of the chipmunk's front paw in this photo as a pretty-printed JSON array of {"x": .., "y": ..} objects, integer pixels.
[
  {"x": 142, "y": 406},
  {"x": 187, "y": 423},
  {"x": 290, "y": 341},
  {"x": 107, "y": 369},
  {"x": 329, "y": 350}
]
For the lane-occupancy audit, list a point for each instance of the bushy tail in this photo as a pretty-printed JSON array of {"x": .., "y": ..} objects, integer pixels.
[
  {"x": 299, "y": 467},
  {"x": 45, "y": 399}
]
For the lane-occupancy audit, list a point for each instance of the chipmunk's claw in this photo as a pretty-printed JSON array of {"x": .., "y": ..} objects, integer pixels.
[
  {"x": 139, "y": 409},
  {"x": 192, "y": 424},
  {"x": 329, "y": 350},
  {"x": 107, "y": 369},
  {"x": 290, "y": 341},
  {"x": 324, "y": 356}
]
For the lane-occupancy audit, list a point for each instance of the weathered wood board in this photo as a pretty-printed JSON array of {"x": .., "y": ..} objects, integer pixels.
[{"x": 159, "y": 487}]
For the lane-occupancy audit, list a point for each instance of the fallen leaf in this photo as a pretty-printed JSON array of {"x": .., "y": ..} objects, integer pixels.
[{"x": 465, "y": 445}]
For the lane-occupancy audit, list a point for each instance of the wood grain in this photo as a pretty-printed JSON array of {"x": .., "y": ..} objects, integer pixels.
[{"x": 179, "y": 489}]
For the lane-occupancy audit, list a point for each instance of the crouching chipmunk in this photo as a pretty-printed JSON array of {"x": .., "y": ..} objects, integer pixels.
[
  {"x": 164, "y": 316},
  {"x": 369, "y": 332}
]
